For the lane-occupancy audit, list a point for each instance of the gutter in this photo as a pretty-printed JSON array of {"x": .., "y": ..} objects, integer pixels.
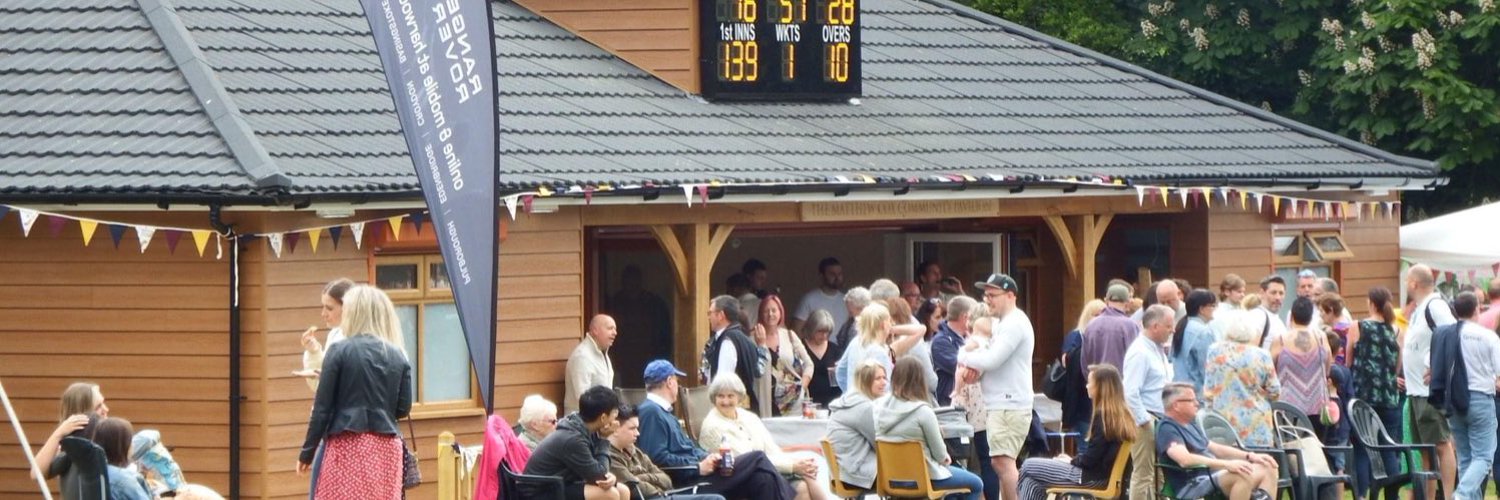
[{"x": 235, "y": 391}]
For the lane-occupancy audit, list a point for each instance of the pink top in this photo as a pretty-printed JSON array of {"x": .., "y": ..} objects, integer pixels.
[{"x": 1491, "y": 316}]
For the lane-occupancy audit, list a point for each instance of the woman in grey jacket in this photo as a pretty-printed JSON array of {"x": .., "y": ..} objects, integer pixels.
[
  {"x": 906, "y": 414},
  {"x": 851, "y": 426}
]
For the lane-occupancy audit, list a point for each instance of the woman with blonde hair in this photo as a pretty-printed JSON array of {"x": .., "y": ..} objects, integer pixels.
[
  {"x": 874, "y": 325},
  {"x": 1239, "y": 380},
  {"x": 82, "y": 404},
  {"x": 791, "y": 368},
  {"x": 1110, "y": 428},
  {"x": 365, "y": 389},
  {"x": 851, "y": 426}
]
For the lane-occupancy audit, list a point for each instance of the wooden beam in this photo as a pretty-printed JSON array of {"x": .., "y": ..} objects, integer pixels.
[
  {"x": 1064, "y": 237},
  {"x": 699, "y": 246},
  {"x": 720, "y": 236},
  {"x": 790, "y": 211},
  {"x": 670, "y": 245},
  {"x": 1101, "y": 223}
]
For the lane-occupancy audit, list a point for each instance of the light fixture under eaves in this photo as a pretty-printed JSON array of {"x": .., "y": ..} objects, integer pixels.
[{"x": 334, "y": 212}]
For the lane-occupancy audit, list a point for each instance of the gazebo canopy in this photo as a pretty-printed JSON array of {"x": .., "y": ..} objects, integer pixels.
[{"x": 1460, "y": 241}]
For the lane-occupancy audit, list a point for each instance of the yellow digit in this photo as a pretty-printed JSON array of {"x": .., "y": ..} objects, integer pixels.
[
  {"x": 723, "y": 61},
  {"x": 788, "y": 62},
  {"x": 842, "y": 75},
  {"x": 784, "y": 11},
  {"x": 752, "y": 61},
  {"x": 832, "y": 11},
  {"x": 847, "y": 11},
  {"x": 736, "y": 61},
  {"x": 748, "y": 11}
]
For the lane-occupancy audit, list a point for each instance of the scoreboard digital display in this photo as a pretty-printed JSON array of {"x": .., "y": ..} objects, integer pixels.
[{"x": 779, "y": 49}]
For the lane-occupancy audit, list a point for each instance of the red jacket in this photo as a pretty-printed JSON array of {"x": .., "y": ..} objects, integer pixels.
[{"x": 500, "y": 443}]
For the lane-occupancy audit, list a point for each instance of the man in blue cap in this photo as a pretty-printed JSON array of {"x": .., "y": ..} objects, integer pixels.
[{"x": 663, "y": 439}]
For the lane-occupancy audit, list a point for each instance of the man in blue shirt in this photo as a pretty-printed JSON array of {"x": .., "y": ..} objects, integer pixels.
[
  {"x": 663, "y": 439},
  {"x": 1200, "y": 471}
]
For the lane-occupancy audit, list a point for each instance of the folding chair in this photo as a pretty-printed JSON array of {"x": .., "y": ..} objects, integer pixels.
[
  {"x": 836, "y": 486},
  {"x": 1113, "y": 489}
]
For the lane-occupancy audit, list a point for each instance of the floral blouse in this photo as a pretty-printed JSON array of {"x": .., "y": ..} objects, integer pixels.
[
  {"x": 1239, "y": 383},
  {"x": 1375, "y": 365}
]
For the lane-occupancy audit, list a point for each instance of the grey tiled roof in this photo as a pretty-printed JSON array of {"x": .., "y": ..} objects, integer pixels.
[{"x": 91, "y": 101}]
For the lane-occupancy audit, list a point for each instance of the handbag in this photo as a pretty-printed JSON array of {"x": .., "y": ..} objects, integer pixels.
[
  {"x": 1053, "y": 385},
  {"x": 411, "y": 475}
]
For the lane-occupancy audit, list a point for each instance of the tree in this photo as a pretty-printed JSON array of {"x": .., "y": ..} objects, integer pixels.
[{"x": 1416, "y": 77}]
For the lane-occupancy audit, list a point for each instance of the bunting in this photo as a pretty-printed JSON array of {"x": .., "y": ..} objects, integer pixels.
[
  {"x": 200, "y": 238},
  {"x": 312, "y": 238},
  {"x": 357, "y": 231},
  {"x": 333, "y": 236},
  {"x": 396, "y": 226},
  {"x": 116, "y": 231},
  {"x": 144, "y": 234},
  {"x": 28, "y": 217},
  {"x": 88, "y": 227},
  {"x": 274, "y": 241}
]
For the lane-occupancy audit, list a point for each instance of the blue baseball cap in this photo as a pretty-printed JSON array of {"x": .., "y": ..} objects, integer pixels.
[{"x": 659, "y": 371}]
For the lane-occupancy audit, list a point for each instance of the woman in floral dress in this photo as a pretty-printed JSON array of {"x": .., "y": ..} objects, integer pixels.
[{"x": 1240, "y": 382}]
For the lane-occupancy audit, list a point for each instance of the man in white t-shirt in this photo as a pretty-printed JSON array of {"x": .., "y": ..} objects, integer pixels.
[
  {"x": 1006, "y": 379},
  {"x": 829, "y": 296},
  {"x": 1428, "y": 424}
]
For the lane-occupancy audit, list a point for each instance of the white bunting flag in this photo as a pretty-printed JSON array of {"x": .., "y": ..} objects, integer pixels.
[
  {"x": 28, "y": 217},
  {"x": 144, "y": 233},
  {"x": 510, "y": 205},
  {"x": 1224, "y": 196},
  {"x": 687, "y": 192},
  {"x": 1184, "y": 194},
  {"x": 358, "y": 229},
  {"x": 1140, "y": 195},
  {"x": 274, "y": 241}
]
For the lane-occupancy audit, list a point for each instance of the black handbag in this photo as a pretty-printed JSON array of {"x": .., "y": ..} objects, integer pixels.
[
  {"x": 1054, "y": 383},
  {"x": 411, "y": 475}
]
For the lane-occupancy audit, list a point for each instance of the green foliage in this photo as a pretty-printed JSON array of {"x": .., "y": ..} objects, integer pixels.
[{"x": 1417, "y": 77}]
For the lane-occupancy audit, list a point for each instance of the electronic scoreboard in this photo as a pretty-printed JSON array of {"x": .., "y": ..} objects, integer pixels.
[{"x": 779, "y": 49}]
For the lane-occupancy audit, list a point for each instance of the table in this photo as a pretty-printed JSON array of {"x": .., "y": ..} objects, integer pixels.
[{"x": 792, "y": 431}]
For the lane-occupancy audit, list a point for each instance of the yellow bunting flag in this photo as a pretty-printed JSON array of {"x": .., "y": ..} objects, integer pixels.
[
  {"x": 1344, "y": 210},
  {"x": 1164, "y": 194},
  {"x": 1275, "y": 204},
  {"x": 200, "y": 238},
  {"x": 396, "y": 226},
  {"x": 543, "y": 191},
  {"x": 1243, "y": 198},
  {"x": 1207, "y": 202},
  {"x": 88, "y": 227},
  {"x": 312, "y": 238}
]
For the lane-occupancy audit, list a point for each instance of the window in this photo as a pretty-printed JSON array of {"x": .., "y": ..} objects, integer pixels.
[
  {"x": 1311, "y": 247},
  {"x": 418, "y": 284}
]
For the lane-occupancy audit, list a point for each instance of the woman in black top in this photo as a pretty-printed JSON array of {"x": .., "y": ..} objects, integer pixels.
[
  {"x": 825, "y": 355},
  {"x": 365, "y": 387},
  {"x": 1112, "y": 428}
]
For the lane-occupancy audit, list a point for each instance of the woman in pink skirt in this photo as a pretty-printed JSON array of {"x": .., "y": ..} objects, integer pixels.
[{"x": 364, "y": 389}]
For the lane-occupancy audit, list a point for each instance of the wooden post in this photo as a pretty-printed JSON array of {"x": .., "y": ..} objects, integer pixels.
[
  {"x": 1079, "y": 237},
  {"x": 692, "y": 250}
]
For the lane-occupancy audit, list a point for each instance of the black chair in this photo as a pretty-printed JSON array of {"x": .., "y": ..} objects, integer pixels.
[
  {"x": 1220, "y": 431},
  {"x": 516, "y": 485},
  {"x": 1292, "y": 425},
  {"x": 89, "y": 466},
  {"x": 1165, "y": 489},
  {"x": 1370, "y": 432}
]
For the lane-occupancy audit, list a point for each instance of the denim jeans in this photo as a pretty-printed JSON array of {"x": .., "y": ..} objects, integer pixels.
[
  {"x": 986, "y": 470},
  {"x": 961, "y": 479},
  {"x": 1474, "y": 438}
]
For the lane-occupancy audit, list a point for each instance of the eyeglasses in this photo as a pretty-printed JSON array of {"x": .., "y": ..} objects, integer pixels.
[
  {"x": 551, "y": 421},
  {"x": 1193, "y": 401}
]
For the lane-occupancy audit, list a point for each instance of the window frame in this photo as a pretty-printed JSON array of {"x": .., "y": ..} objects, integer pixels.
[
  {"x": 421, "y": 296},
  {"x": 1314, "y": 236}
]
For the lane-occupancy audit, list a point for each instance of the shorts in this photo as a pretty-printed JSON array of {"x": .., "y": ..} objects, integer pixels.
[
  {"x": 1201, "y": 486},
  {"x": 1428, "y": 425},
  {"x": 1007, "y": 431}
]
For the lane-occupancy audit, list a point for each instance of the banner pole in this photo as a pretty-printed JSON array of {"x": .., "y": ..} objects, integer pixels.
[{"x": 36, "y": 472}]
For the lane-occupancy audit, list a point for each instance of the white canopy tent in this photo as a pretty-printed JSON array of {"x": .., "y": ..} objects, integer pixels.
[{"x": 1463, "y": 241}]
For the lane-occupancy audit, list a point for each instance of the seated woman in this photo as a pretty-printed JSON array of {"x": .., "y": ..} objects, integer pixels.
[
  {"x": 906, "y": 414},
  {"x": 82, "y": 408},
  {"x": 538, "y": 419},
  {"x": 1111, "y": 427},
  {"x": 741, "y": 431},
  {"x": 851, "y": 427},
  {"x": 113, "y": 435}
]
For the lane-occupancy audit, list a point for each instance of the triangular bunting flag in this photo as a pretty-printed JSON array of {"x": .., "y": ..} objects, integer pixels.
[
  {"x": 703, "y": 194},
  {"x": 1275, "y": 204},
  {"x": 312, "y": 238},
  {"x": 417, "y": 218},
  {"x": 200, "y": 238},
  {"x": 1224, "y": 196},
  {"x": 1207, "y": 198},
  {"x": 1164, "y": 194},
  {"x": 358, "y": 230},
  {"x": 274, "y": 241},
  {"x": 510, "y": 205},
  {"x": 291, "y": 242},
  {"x": 588, "y": 196},
  {"x": 1140, "y": 195},
  {"x": 1344, "y": 210},
  {"x": 172, "y": 236},
  {"x": 116, "y": 231},
  {"x": 687, "y": 192},
  {"x": 1396, "y": 209},
  {"x": 1183, "y": 193},
  {"x": 333, "y": 234},
  {"x": 88, "y": 227},
  {"x": 28, "y": 217},
  {"x": 526, "y": 202},
  {"x": 395, "y": 228},
  {"x": 144, "y": 234},
  {"x": 55, "y": 226},
  {"x": 543, "y": 192},
  {"x": 4, "y": 210}
]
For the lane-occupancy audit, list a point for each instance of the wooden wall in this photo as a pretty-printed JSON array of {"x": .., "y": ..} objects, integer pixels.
[
  {"x": 658, "y": 36},
  {"x": 149, "y": 328}
]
